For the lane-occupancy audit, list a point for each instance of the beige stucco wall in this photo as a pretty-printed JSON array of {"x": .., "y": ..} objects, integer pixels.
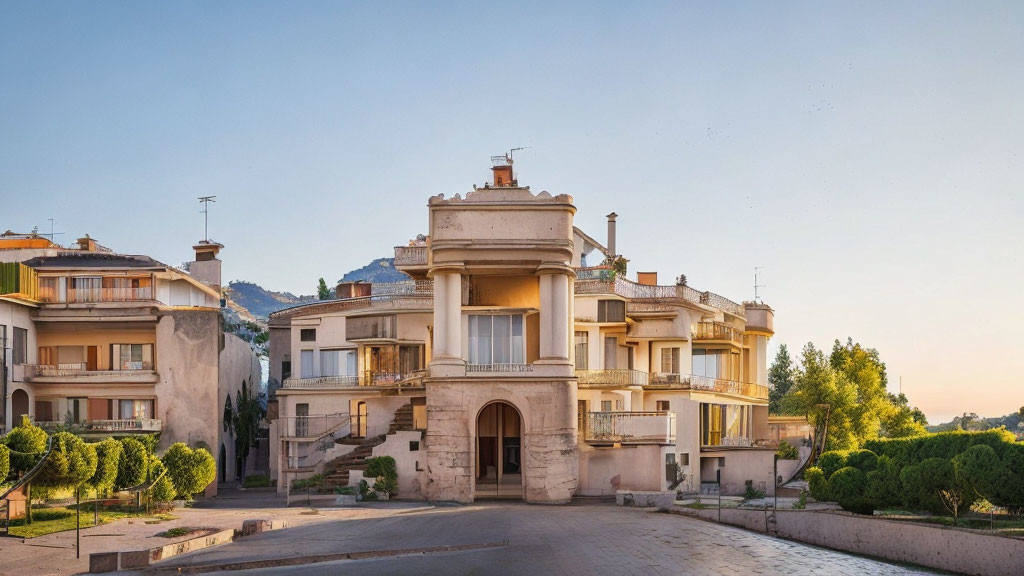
[
  {"x": 742, "y": 465},
  {"x": 238, "y": 364},
  {"x": 605, "y": 470},
  {"x": 188, "y": 345},
  {"x": 12, "y": 316},
  {"x": 410, "y": 480},
  {"x": 549, "y": 451}
]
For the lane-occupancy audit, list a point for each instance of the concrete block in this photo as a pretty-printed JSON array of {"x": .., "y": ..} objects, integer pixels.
[
  {"x": 134, "y": 559},
  {"x": 101, "y": 562},
  {"x": 259, "y": 525}
]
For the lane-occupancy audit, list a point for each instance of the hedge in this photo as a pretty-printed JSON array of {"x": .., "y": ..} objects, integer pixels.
[
  {"x": 884, "y": 487},
  {"x": 831, "y": 461},
  {"x": 946, "y": 445},
  {"x": 863, "y": 460},
  {"x": 849, "y": 488},
  {"x": 108, "y": 459},
  {"x": 162, "y": 489},
  {"x": 27, "y": 444},
  {"x": 922, "y": 483},
  {"x": 817, "y": 484}
]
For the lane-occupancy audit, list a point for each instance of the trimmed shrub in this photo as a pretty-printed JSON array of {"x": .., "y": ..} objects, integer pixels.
[
  {"x": 979, "y": 469},
  {"x": 383, "y": 468},
  {"x": 1009, "y": 491},
  {"x": 132, "y": 464},
  {"x": 817, "y": 484},
  {"x": 831, "y": 461},
  {"x": 922, "y": 483},
  {"x": 884, "y": 488},
  {"x": 848, "y": 486},
  {"x": 27, "y": 444},
  {"x": 161, "y": 488},
  {"x": 787, "y": 451},
  {"x": 191, "y": 471},
  {"x": 72, "y": 462},
  {"x": 863, "y": 460},
  {"x": 108, "y": 458},
  {"x": 917, "y": 449},
  {"x": 5, "y": 462}
]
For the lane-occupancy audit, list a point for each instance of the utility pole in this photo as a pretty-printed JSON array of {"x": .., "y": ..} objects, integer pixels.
[{"x": 205, "y": 201}]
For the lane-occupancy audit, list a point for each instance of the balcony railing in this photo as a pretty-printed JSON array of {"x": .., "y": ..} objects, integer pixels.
[
  {"x": 86, "y": 295},
  {"x": 631, "y": 427},
  {"x": 311, "y": 426},
  {"x": 410, "y": 255},
  {"x": 80, "y": 369},
  {"x": 368, "y": 378},
  {"x": 136, "y": 425},
  {"x": 710, "y": 384},
  {"x": 619, "y": 377},
  {"x": 717, "y": 331},
  {"x": 321, "y": 382},
  {"x": 594, "y": 273},
  {"x": 499, "y": 368},
  {"x": 589, "y": 283}
]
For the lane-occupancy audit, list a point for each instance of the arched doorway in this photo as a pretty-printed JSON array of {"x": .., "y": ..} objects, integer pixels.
[
  {"x": 19, "y": 406},
  {"x": 499, "y": 462}
]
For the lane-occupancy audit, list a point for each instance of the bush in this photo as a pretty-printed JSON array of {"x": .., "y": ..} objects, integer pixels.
[
  {"x": 863, "y": 460},
  {"x": 817, "y": 484},
  {"x": 191, "y": 471},
  {"x": 946, "y": 445},
  {"x": 848, "y": 486},
  {"x": 787, "y": 451},
  {"x": 72, "y": 462},
  {"x": 133, "y": 464},
  {"x": 256, "y": 481},
  {"x": 108, "y": 457},
  {"x": 831, "y": 461},
  {"x": 383, "y": 468},
  {"x": 314, "y": 481},
  {"x": 884, "y": 488},
  {"x": 27, "y": 444},
  {"x": 1010, "y": 490},
  {"x": 161, "y": 488},
  {"x": 346, "y": 490},
  {"x": 923, "y": 482},
  {"x": 5, "y": 462},
  {"x": 979, "y": 469}
]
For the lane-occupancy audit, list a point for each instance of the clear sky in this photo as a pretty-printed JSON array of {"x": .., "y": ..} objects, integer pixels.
[{"x": 867, "y": 155}]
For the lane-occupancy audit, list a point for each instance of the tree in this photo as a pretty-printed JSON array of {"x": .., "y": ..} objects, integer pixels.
[
  {"x": 903, "y": 421},
  {"x": 161, "y": 488},
  {"x": 27, "y": 444},
  {"x": 1021, "y": 412},
  {"x": 191, "y": 471},
  {"x": 244, "y": 422},
  {"x": 826, "y": 397},
  {"x": 133, "y": 464},
  {"x": 108, "y": 458},
  {"x": 71, "y": 463},
  {"x": 979, "y": 469},
  {"x": 780, "y": 379},
  {"x": 322, "y": 291},
  {"x": 5, "y": 462}
]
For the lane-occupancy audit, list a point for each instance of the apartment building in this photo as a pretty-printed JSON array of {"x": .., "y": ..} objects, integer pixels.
[
  {"x": 516, "y": 362},
  {"x": 118, "y": 344}
]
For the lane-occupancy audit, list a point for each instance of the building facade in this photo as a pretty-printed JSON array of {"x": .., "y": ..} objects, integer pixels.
[
  {"x": 507, "y": 367},
  {"x": 117, "y": 344}
]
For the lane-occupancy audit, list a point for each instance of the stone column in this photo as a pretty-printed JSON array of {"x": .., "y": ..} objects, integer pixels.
[
  {"x": 453, "y": 313},
  {"x": 546, "y": 314},
  {"x": 559, "y": 317},
  {"x": 440, "y": 316}
]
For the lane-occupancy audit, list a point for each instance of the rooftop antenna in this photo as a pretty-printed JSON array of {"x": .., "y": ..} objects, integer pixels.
[
  {"x": 205, "y": 201},
  {"x": 52, "y": 233},
  {"x": 757, "y": 273},
  {"x": 506, "y": 158}
]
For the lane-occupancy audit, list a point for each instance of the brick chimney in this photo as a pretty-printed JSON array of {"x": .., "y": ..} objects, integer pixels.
[
  {"x": 86, "y": 244},
  {"x": 611, "y": 234},
  {"x": 206, "y": 266}
]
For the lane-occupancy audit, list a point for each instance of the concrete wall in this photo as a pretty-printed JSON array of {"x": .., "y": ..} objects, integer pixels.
[
  {"x": 955, "y": 550},
  {"x": 17, "y": 316},
  {"x": 187, "y": 351},
  {"x": 605, "y": 470},
  {"x": 410, "y": 480},
  {"x": 741, "y": 465},
  {"x": 238, "y": 364},
  {"x": 549, "y": 451}
]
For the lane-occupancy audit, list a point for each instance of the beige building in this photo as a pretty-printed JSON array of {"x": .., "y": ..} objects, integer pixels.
[
  {"x": 506, "y": 366},
  {"x": 116, "y": 344}
]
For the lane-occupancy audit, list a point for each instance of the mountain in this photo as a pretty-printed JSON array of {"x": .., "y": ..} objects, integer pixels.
[
  {"x": 380, "y": 270},
  {"x": 1012, "y": 422},
  {"x": 254, "y": 300}
]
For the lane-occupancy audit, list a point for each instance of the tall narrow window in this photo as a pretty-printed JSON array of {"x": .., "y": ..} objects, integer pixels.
[
  {"x": 580, "y": 339},
  {"x": 496, "y": 339},
  {"x": 131, "y": 357},
  {"x": 19, "y": 353},
  {"x": 330, "y": 362},
  {"x": 306, "y": 364},
  {"x": 611, "y": 352},
  {"x": 86, "y": 289},
  {"x": 670, "y": 360}
]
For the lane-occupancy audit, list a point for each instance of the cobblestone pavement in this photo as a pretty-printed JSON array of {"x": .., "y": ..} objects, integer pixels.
[{"x": 583, "y": 538}]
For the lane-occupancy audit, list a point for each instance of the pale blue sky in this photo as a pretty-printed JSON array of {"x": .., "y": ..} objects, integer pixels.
[{"x": 867, "y": 155}]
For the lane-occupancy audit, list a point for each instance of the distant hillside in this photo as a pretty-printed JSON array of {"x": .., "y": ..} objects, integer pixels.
[
  {"x": 1011, "y": 421},
  {"x": 380, "y": 270},
  {"x": 260, "y": 302}
]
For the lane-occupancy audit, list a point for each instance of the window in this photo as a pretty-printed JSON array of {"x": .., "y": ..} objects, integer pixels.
[
  {"x": 581, "y": 339},
  {"x": 409, "y": 359},
  {"x": 371, "y": 327},
  {"x": 306, "y": 364},
  {"x": 307, "y": 335},
  {"x": 48, "y": 290},
  {"x": 86, "y": 289},
  {"x": 725, "y": 424},
  {"x": 19, "y": 347},
  {"x": 496, "y": 339},
  {"x": 670, "y": 360},
  {"x": 611, "y": 311},
  {"x": 620, "y": 405},
  {"x": 662, "y": 405},
  {"x": 611, "y": 352},
  {"x": 606, "y": 405},
  {"x": 131, "y": 357},
  {"x": 135, "y": 409},
  {"x": 708, "y": 363},
  {"x": 330, "y": 362},
  {"x": 286, "y": 369}
]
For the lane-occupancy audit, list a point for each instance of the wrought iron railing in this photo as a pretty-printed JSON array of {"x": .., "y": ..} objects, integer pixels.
[
  {"x": 612, "y": 377},
  {"x": 367, "y": 378},
  {"x": 716, "y": 331},
  {"x": 73, "y": 369},
  {"x": 311, "y": 426},
  {"x": 403, "y": 288},
  {"x": 321, "y": 382},
  {"x": 588, "y": 283},
  {"x": 499, "y": 367},
  {"x": 410, "y": 255},
  {"x": 594, "y": 273},
  {"x": 710, "y": 384},
  {"x": 630, "y": 427},
  {"x": 119, "y": 425}
]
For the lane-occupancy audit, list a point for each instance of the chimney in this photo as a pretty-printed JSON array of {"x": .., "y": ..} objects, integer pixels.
[
  {"x": 206, "y": 267},
  {"x": 86, "y": 244},
  {"x": 355, "y": 289},
  {"x": 611, "y": 234},
  {"x": 647, "y": 278},
  {"x": 503, "y": 176}
]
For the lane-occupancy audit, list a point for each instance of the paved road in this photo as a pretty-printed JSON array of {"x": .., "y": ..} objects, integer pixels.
[{"x": 531, "y": 540}]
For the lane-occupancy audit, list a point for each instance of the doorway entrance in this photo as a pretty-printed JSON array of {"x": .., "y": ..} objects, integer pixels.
[{"x": 499, "y": 462}]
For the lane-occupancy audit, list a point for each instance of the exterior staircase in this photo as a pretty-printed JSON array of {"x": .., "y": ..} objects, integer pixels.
[{"x": 336, "y": 472}]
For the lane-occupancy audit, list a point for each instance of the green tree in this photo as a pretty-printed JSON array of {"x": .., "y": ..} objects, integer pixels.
[
  {"x": 245, "y": 422},
  {"x": 108, "y": 458},
  {"x": 826, "y": 397},
  {"x": 5, "y": 462},
  {"x": 71, "y": 463},
  {"x": 980, "y": 469},
  {"x": 191, "y": 471},
  {"x": 780, "y": 379},
  {"x": 902, "y": 420},
  {"x": 27, "y": 444},
  {"x": 161, "y": 488},
  {"x": 132, "y": 464},
  {"x": 322, "y": 291}
]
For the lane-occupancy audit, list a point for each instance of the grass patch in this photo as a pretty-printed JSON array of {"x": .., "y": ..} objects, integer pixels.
[
  {"x": 50, "y": 520},
  {"x": 183, "y": 531},
  {"x": 163, "y": 517},
  {"x": 256, "y": 481}
]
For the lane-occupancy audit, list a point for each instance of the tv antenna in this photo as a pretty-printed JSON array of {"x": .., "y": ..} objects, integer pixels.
[
  {"x": 506, "y": 159},
  {"x": 52, "y": 233},
  {"x": 205, "y": 201},
  {"x": 757, "y": 285}
]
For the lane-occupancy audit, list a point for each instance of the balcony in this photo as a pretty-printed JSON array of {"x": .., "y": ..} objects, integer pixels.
[
  {"x": 142, "y": 425},
  {"x": 717, "y": 331},
  {"x": 311, "y": 427},
  {"x": 410, "y": 255},
  {"x": 611, "y": 378},
  {"x": 370, "y": 379},
  {"x": 592, "y": 281},
  {"x": 630, "y": 428},
  {"x": 498, "y": 368},
  {"x": 79, "y": 372},
  {"x": 48, "y": 293},
  {"x": 709, "y": 384}
]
